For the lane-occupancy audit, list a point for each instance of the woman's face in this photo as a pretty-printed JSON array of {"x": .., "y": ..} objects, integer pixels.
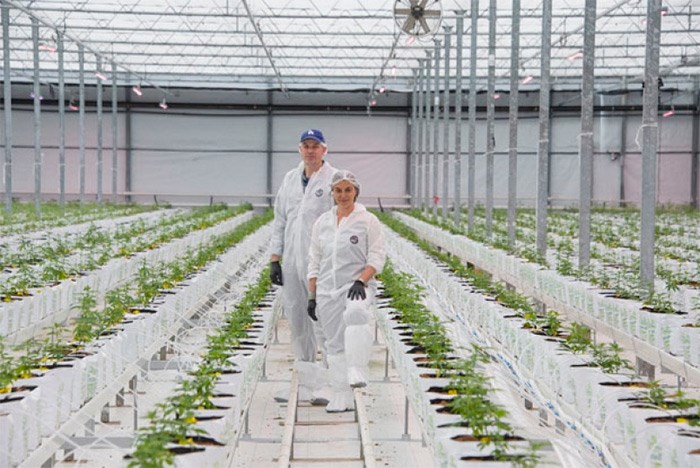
[{"x": 344, "y": 194}]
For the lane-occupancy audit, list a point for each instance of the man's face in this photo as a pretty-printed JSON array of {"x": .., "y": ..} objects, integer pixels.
[{"x": 312, "y": 152}]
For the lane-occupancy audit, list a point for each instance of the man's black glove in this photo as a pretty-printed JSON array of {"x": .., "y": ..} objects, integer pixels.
[
  {"x": 311, "y": 310},
  {"x": 357, "y": 291},
  {"x": 276, "y": 273}
]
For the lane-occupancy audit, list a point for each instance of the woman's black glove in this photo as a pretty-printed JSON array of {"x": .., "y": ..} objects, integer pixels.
[
  {"x": 276, "y": 273},
  {"x": 311, "y": 310},
  {"x": 357, "y": 291}
]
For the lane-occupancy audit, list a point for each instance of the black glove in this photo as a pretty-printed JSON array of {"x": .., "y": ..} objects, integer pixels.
[
  {"x": 276, "y": 273},
  {"x": 311, "y": 310},
  {"x": 357, "y": 291}
]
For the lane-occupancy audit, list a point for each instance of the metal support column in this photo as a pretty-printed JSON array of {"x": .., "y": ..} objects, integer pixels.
[
  {"x": 471, "y": 162},
  {"x": 115, "y": 137},
  {"x": 458, "y": 121},
  {"x": 586, "y": 137},
  {"x": 269, "y": 150},
  {"x": 543, "y": 146},
  {"x": 695, "y": 152},
  {"x": 428, "y": 122},
  {"x": 81, "y": 119},
  {"x": 7, "y": 113},
  {"x": 623, "y": 143},
  {"x": 37, "y": 118},
  {"x": 420, "y": 128},
  {"x": 98, "y": 101},
  {"x": 446, "y": 123},
  {"x": 413, "y": 155},
  {"x": 127, "y": 145},
  {"x": 513, "y": 103},
  {"x": 436, "y": 125},
  {"x": 61, "y": 121},
  {"x": 490, "y": 117},
  {"x": 650, "y": 137}
]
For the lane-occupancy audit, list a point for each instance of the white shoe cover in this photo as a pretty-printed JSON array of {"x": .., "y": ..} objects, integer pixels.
[
  {"x": 343, "y": 398},
  {"x": 305, "y": 394},
  {"x": 341, "y": 401},
  {"x": 358, "y": 346}
]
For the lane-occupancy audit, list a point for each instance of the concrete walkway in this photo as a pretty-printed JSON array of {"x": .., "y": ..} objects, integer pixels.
[{"x": 335, "y": 436}]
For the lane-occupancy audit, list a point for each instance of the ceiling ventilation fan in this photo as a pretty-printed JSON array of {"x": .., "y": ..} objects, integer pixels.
[{"x": 418, "y": 18}]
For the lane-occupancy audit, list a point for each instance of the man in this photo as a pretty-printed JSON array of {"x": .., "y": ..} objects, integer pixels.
[{"x": 303, "y": 196}]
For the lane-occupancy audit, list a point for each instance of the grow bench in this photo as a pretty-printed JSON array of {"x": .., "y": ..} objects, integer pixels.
[
  {"x": 575, "y": 395},
  {"x": 660, "y": 340},
  {"x": 73, "y": 396}
]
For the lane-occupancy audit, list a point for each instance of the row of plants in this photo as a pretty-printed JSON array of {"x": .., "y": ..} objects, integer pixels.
[
  {"x": 607, "y": 356},
  {"x": 32, "y": 249},
  {"x": 594, "y": 386},
  {"x": 613, "y": 283},
  {"x": 614, "y": 251},
  {"x": 23, "y": 217},
  {"x": 173, "y": 422},
  {"x": 90, "y": 373},
  {"x": 468, "y": 393},
  {"x": 615, "y": 242},
  {"x": 52, "y": 262},
  {"x": 26, "y": 318},
  {"x": 34, "y": 356}
]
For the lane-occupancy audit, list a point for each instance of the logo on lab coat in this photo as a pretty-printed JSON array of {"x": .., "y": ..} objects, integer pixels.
[
  {"x": 354, "y": 240},
  {"x": 319, "y": 192}
]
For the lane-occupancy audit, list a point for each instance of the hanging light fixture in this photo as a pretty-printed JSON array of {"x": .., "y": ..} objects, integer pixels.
[
  {"x": 47, "y": 47},
  {"x": 71, "y": 104},
  {"x": 101, "y": 75},
  {"x": 163, "y": 105},
  {"x": 496, "y": 96},
  {"x": 136, "y": 89},
  {"x": 575, "y": 55},
  {"x": 382, "y": 89},
  {"x": 669, "y": 112},
  {"x": 31, "y": 95},
  {"x": 527, "y": 79}
]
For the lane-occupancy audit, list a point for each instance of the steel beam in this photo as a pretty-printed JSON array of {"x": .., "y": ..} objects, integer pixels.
[
  {"x": 586, "y": 138},
  {"x": 513, "y": 102},
  {"x": 543, "y": 146},
  {"x": 650, "y": 140}
]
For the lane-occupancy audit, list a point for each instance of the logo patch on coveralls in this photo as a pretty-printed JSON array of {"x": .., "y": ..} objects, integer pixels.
[
  {"x": 354, "y": 240},
  {"x": 319, "y": 192}
]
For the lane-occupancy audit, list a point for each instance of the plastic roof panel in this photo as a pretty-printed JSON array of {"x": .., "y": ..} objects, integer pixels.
[{"x": 341, "y": 44}]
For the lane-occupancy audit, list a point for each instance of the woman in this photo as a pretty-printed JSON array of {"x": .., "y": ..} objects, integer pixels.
[{"x": 347, "y": 250}]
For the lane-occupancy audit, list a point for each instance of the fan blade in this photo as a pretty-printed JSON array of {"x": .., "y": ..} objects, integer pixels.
[
  {"x": 432, "y": 13},
  {"x": 414, "y": 2},
  {"x": 409, "y": 24},
  {"x": 402, "y": 11},
  {"x": 424, "y": 23},
  {"x": 422, "y": 3}
]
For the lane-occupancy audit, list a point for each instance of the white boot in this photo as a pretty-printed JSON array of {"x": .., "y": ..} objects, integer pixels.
[
  {"x": 305, "y": 394},
  {"x": 358, "y": 341},
  {"x": 358, "y": 346},
  {"x": 343, "y": 398},
  {"x": 315, "y": 377}
]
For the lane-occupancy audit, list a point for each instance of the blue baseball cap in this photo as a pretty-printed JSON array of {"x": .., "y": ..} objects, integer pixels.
[{"x": 313, "y": 134}]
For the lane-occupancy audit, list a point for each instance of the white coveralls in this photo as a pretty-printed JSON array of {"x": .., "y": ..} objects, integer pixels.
[
  {"x": 296, "y": 210},
  {"x": 338, "y": 255}
]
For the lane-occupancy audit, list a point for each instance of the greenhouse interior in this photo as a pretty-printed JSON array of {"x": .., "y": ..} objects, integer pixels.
[{"x": 525, "y": 171}]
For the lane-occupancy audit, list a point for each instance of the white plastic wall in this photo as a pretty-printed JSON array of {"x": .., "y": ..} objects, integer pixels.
[{"x": 188, "y": 154}]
